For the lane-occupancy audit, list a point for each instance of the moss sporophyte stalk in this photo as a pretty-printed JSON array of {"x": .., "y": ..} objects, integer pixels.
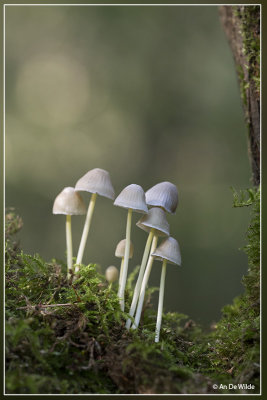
[{"x": 66, "y": 332}]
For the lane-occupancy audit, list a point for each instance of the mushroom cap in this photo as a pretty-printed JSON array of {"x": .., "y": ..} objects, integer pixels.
[
  {"x": 168, "y": 250},
  {"x": 132, "y": 197},
  {"x": 69, "y": 202},
  {"x": 165, "y": 195},
  {"x": 112, "y": 274},
  {"x": 156, "y": 218},
  {"x": 120, "y": 249},
  {"x": 98, "y": 181}
]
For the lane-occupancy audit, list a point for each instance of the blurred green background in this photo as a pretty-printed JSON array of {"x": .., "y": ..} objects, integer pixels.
[{"x": 149, "y": 94}]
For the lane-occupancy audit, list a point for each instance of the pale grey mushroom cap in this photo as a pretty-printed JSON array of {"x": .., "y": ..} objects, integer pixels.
[
  {"x": 156, "y": 218},
  {"x": 165, "y": 195},
  {"x": 132, "y": 197},
  {"x": 112, "y": 274},
  {"x": 168, "y": 250},
  {"x": 98, "y": 181},
  {"x": 120, "y": 249},
  {"x": 69, "y": 202}
]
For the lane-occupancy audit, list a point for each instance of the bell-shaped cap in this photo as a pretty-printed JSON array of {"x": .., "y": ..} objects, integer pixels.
[
  {"x": 120, "y": 249},
  {"x": 69, "y": 202},
  {"x": 98, "y": 181},
  {"x": 156, "y": 218},
  {"x": 168, "y": 250},
  {"x": 164, "y": 195},
  {"x": 132, "y": 197},
  {"x": 112, "y": 274}
]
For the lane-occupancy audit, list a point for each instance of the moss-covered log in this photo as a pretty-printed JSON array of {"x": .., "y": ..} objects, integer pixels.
[
  {"x": 70, "y": 337},
  {"x": 242, "y": 26}
]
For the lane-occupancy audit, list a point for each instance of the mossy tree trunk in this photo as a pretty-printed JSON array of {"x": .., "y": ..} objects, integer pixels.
[{"x": 242, "y": 27}]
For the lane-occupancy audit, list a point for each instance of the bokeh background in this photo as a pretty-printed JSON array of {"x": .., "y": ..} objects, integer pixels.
[{"x": 149, "y": 94}]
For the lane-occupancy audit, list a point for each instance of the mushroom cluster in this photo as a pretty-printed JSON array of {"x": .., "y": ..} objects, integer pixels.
[{"x": 161, "y": 199}]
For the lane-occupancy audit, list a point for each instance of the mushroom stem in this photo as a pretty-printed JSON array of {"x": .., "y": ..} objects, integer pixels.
[
  {"x": 86, "y": 228},
  {"x": 140, "y": 277},
  {"x": 144, "y": 283},
  {"x": 69, "y": 244},
  {"x": 126, "y": 259},
  {"x": 161, "y": 296},
  {"x": 121, "y": 269}
]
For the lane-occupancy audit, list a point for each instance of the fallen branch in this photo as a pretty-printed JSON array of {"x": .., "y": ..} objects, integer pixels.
[{"x": 45, "y": 306}]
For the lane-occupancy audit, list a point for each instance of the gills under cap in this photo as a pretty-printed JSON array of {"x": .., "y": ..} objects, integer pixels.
[
  {"x": 98, "y": 181},
  {"x": 120, "y": 249},
  {"x": 156, "y": 219},
  {"x": 165, "y": 195},
  {"x": 69, "y": 202},
  {"x": 132, "y": 197},
  {"x": 168, "y": 250}
]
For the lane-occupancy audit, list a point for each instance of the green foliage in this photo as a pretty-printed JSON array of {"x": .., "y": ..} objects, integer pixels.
[
  {"x": 236, "y": 340},
  {"x": 79, "y": 344},
  {"x": 69, "y": 337},
  {"x": 246, "y": 198},
  {"x": 13, "y": 224}
]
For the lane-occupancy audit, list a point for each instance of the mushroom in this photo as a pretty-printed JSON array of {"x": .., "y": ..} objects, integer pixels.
[
  {"x": 112, "y": 274},
  {"x": 96, "y": 181},
  {"x": 164, "y": 195},
  {"x": 69, "y": 203},
  {"x": 156, "y": 224},
  {"x": 133, "y": 198},
  {"x": 119, "y": 252},
  {"x": 144, "y": 283},
  {"x": 168, "y": 252}
]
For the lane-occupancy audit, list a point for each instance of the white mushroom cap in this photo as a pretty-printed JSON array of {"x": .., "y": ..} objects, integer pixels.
[
  {"x": 112, "y": 274},
  {"x": 156, "y": 218},
  {"x": 165, "y": 195},
  {"x": 168, "y": 250},
  {"x": 98, "y": 181},
  {"x": 69, "y": 202},
  {"x": 120, "y": 249},
  {"x": 132, "y": 197}
]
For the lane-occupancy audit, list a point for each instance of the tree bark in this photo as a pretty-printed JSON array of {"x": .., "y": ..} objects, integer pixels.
[{"x": 242, "y": 27}]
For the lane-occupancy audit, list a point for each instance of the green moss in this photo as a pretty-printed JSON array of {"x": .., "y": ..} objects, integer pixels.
[
  {"x": 251, "y": 35},
  {"x": 83, "y": 347},
  {"x": 236, "y": 340},
  {"x": 249, "y": 23},
  {"x": 243, "y": 85}
]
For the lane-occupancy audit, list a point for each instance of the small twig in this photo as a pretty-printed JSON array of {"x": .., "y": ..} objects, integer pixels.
[
  {"x": 78, "y": 298},
  {"x": 76, "y": 344},
  {"x": 46, "y": 305}
]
